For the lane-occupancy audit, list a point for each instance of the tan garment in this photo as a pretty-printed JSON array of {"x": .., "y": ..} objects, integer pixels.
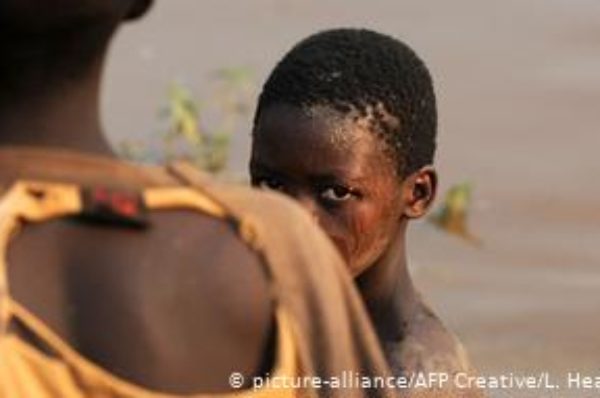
[{"x": 324, "y": 330}]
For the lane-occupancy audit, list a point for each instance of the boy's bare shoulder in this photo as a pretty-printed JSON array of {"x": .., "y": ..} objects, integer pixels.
[{"x": 428, "y": 347}]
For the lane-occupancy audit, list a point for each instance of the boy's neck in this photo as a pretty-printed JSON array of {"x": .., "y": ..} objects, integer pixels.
[
  {"x": 388, "y": 292},
  {"x": 50, "y": 95},
  {"x": 66, "y": 117}
]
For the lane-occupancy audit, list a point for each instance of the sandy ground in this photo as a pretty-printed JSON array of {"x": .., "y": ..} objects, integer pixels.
[{"x": 518, "y": 83}]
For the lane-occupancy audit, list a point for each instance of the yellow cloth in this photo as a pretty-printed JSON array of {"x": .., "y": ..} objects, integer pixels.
[{"x": 26, "y": 372}]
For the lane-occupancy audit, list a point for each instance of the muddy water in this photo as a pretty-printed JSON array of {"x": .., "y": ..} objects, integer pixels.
[{"x": 518, "y": 83}]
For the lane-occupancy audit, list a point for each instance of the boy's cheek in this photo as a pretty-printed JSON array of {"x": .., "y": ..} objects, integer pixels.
[
  {"x": 360, "y": 231},
  {"x": 370, "y": 230}
]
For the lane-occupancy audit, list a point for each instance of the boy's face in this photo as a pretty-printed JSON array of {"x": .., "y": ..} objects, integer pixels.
[{"x": 338, "y": 170}]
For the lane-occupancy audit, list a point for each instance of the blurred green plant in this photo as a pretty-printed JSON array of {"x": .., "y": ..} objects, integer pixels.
[
  {"x": 452, "y": 215},
  {"x": 199, "y": 131}
]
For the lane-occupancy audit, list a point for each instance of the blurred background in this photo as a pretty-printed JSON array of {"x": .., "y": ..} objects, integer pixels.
[{"x": 518, "y": 85}]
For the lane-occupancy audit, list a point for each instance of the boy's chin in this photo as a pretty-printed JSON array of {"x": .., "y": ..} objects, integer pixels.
[{"x": 359, "y": 268}]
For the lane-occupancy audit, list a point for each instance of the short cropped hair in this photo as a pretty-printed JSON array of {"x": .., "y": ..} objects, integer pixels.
[{"x": 362, "y": 73}]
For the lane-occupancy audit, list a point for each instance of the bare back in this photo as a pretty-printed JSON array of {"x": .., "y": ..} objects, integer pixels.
[{"x": 136, "y": 300}]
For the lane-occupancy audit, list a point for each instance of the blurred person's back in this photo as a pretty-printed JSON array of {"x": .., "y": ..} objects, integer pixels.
[{"x": 120, "y": 280}]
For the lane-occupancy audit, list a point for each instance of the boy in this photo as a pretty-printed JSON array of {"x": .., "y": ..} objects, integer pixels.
[{"x": 346, "y": 125}]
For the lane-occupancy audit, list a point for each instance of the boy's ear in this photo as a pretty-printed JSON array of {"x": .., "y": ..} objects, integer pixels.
[
  {"x": 138, "y": 9},
  {"x": 419, "y": 190}
]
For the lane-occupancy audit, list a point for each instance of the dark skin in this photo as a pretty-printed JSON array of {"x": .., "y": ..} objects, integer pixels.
[
  {"x": 145, "y": 305},
  {"x": 338, "y": 169}
]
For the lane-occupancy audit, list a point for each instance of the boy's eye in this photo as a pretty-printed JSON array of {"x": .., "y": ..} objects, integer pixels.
[
  {"x": 335, "y": 193},
  {"x": 269, "y": 183}
]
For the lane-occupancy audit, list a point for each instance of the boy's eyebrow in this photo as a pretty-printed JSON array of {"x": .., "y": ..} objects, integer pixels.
[
  {"x": 333, "y": 175},
  {"x": 263, "y": 168}
]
